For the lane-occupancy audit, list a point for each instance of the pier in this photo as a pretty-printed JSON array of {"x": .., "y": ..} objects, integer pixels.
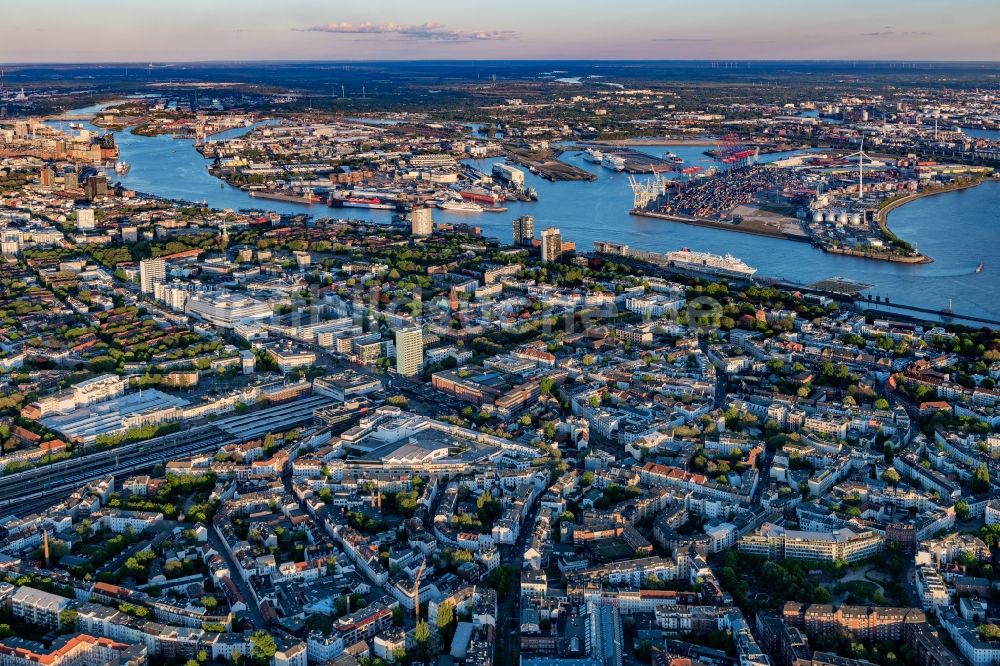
[
  {"x": 944, "y": 313},
  {"x": 636, "y": 161}
]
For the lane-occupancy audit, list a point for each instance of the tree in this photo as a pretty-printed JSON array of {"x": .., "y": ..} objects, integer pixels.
[
  {"x": 891, "y": 476},
  {"x": 262, "y": 647},
  {"x": 961, "y": 509},
  {"x": 588, "y": 359},
  {"x": 67, "y": 621},
  {"x": 981, "y": 479},
  {"x": 989, "y": 632},
  {"x": 422, "y": 633},
  {"x": 398, "y": 401},
  {"x": 446, "y": 613},
  {"x": 881, "y": 403}
]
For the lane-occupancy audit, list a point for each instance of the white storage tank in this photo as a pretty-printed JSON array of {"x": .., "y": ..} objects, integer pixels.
[
  {"x": 817, "y": 216},
  {"x": 842, "y": 218},
  {"x": 856, "y": 219}
]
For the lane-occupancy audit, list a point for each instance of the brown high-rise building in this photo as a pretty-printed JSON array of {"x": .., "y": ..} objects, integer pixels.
[{"x": 96, "y": 186}]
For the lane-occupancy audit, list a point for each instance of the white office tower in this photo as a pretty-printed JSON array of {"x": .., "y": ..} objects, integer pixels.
[
  {"x": 85, "y": 219},
  {"x": 409, "y": 351},
  {"x": 551, "y": 244},
  {"x": 151, "y": 271},
  {"x": 421, "y": 222}
]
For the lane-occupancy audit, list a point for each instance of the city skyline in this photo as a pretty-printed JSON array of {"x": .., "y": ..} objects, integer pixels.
[{"x": 392, "y": 30}]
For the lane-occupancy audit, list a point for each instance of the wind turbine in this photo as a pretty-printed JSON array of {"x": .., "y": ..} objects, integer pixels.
[{"x": 862, "y": 156}]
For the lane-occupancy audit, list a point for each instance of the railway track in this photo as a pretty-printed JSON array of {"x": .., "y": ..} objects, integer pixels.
[{"x": 31, "y": 490}]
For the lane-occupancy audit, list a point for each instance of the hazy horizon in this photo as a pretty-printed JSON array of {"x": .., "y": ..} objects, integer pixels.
[{"x": 68, "y": 32}]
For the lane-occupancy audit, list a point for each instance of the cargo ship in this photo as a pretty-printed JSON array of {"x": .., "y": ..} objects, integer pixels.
[
  {"x": 613, "y": 162},
  {"x": 360, "y": 202},
  {"x": 305, "y": 198},
  {"x": 714, "y": 264},
  {"x": 592, "y": 155},
  {"x": 481, "y": 195}
]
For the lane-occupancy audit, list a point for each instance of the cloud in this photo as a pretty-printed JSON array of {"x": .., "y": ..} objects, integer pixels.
[
  {"x": 436, "y": 32},
  {"x": 887, "y": 31},
  {"x": 682, "y": 39}
]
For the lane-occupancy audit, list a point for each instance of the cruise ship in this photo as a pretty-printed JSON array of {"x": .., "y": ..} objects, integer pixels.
[
  {"x": 613, "y": 162},
  {"x": 460, "y": 206},
  {"x": 592, "y": 155},
  {"x": 703, "y": 262}
]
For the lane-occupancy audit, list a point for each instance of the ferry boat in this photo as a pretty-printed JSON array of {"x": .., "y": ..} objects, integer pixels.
[
  {"x": 592, "y": 155},
  {"x": 460, "y": 207},
  {"x": 714, "y": 264},
  {"x": 613, "y": 162},
  {"x": 360, "y": 202}
]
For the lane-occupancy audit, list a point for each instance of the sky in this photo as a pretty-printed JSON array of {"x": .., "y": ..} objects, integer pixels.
[{"x": 194, "y": 30}]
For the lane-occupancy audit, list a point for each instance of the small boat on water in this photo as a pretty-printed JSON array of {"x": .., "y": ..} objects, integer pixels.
[
  {"x": 674, "y": 158},
  {"x": 980, "y": 267}
]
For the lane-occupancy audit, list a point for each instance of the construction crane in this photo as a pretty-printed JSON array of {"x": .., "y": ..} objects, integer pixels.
[
  {"x": 416, "y": 590},
  {"x": 734, "y": 154},
  {"x": 647, "y": 191}
]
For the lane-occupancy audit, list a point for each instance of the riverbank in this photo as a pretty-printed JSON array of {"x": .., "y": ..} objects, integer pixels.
[
  {"x": 879, "y": 256},
  {"x": 759, "y": 229},
  {"x": 746, "y": 227},
  {"x": 882, "y": 216},
  {"x": 663, "y": 141}
]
